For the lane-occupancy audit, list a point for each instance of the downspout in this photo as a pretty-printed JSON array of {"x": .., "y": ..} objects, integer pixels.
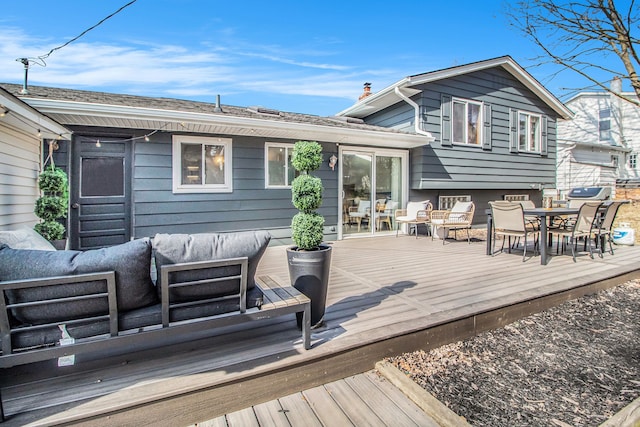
[{"x": 416, "y": 107}]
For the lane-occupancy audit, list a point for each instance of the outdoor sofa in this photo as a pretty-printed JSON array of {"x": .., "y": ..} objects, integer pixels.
[{"x": 143, "y": 293}]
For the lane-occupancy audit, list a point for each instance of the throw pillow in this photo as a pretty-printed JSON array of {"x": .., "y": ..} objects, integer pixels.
[
  {"x": 181, "y": 248},
  {"x": 130, "y": 261},
  {"x": 25, "y": 238}
]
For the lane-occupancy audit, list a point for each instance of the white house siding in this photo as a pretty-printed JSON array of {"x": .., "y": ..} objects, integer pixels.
[
  {"x": 583, "y": 159},
  {"x": 19, "y": 168}
]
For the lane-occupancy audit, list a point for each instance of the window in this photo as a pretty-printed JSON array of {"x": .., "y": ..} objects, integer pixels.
[
  {"x": 633, "y": 161},
  {"x": 466, "y": 122},
  {"x": 529, "y": 135},
  {"x": 201, "y": 165},
  {"x": 604, "y": 124},
  {"x": 279, "y": 172}
]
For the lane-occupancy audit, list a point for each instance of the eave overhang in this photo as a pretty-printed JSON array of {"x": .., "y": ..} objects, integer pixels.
[
  {"x": 117, "y": 116},
  {"x": 20, "y": 114}
]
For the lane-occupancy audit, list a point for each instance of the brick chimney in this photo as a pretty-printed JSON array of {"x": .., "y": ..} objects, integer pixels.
[{"x": 367, "y": 91}]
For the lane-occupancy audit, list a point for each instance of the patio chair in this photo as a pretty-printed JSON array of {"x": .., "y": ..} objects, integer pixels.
[
  {"x": 533, "y": 220},
  {"x": 603, "y": 229},
  {"x": 509, "y": 221},
  {"x": 459, "y": 217},
  {"x": 360, "y": 212},
  {"x": 582, "y": 228},
  {"x": 416, "y": 213},
  {"x": 386, "y": 213}
]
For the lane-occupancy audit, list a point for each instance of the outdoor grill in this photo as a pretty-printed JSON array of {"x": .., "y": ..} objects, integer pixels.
[{"x": 590, "y": 193}]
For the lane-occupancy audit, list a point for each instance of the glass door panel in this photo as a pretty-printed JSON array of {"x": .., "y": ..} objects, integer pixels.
[
  {"x": 356, "y": 192},
  {"x": 388, "y": 194}
]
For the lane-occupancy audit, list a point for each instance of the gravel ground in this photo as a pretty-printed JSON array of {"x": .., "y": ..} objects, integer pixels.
[{"x": 573, "y": 365}]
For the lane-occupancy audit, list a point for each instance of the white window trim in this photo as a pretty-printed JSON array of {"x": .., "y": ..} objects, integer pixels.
[
  {"x": 178, "y": 187},
  {"x": 268, "y": 145},
  {"x": 538, "y": 150},
  {"x": 480, "y": 121}
]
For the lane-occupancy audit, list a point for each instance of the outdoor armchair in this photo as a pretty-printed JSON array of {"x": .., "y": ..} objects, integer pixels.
[
  {"x": 603, "y": 227},
  {"x": 360, "y": 212},
  {"x": 386, "y": 213},
  {"x": 460, "y": 217},
  {"x": 415, "y": 213},
  {"x": 583, "y": 228},
  {"x": 509, "y": 221}
]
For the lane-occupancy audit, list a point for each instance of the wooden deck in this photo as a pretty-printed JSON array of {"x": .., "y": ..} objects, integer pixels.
[{"x": 387, "y": 295}]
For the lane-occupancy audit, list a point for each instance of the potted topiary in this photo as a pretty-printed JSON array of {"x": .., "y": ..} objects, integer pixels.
[
  {"x": 52, "y": 206},
  {"x": 310, "y": 259}
]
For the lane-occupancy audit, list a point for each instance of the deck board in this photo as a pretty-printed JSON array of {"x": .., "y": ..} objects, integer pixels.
[{"x": 386, "y": 294}]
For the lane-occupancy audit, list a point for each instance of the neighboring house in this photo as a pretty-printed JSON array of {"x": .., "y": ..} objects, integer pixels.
[
  {"x": 494, "y": 127},
  {"x": 600, "y": 146},
  {"x": 22, "y": 129},
  {"x": 141, "y": 166}
]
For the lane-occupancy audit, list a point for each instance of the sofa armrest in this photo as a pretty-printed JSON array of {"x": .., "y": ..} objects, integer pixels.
[
  {"x": 168, "y": 282},
  {"x": 108, "y": 291}
]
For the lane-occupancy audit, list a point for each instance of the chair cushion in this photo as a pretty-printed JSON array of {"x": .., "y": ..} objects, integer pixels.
[
  {"x": 25, "y": 238},
  {"x": 180, "y": 248},
  {"x": 131, "y": 262},
  {"x": 414, "y": 207},
  {"x": 461, "y": 207}
]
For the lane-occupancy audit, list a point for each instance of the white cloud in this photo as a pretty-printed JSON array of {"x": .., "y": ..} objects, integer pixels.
[{"x": 173, "y": 70}]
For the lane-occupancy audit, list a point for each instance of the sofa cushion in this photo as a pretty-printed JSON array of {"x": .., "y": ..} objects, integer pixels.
[
  {"x": 180, "y": 248},
  {"x": 130, "y": 261},
  {"x": 25, "y": 238}
]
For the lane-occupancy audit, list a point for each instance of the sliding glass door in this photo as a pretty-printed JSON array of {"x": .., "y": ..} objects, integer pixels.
[{"x": 373, "y": 186}]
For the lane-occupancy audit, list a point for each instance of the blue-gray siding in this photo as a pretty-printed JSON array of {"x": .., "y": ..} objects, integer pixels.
[
  {"x": 250, "y": 206},
  {"x": 468, "y": 168}
]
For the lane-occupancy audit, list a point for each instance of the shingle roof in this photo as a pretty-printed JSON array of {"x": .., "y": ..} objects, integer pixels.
[{"x": 172, "y": 104}]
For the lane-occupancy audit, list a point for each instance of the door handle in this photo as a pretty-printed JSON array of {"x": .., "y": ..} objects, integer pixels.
[{"x": 75, "y": 206}]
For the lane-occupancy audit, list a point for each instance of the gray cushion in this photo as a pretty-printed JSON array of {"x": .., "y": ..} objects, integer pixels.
[
  {"x": 180, "y": 248},
  {"x": 25, "y": 238},
  {"x": 131, "y": 262}
]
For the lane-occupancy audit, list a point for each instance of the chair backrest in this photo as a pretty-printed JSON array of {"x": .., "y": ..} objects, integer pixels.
[
  {"x": 414, "y": 207},
  {"x": 507, "y": 216},
  {"x": 576, "y": 203},
  {"x": 364, "y": 206},
  {"x": 391, "y": 207},
  {"x": 462, "y": 211},
  {"x": 610, "y": 215},
  {"x": 586, "y": 216},
  {"x": 527, "y": 204}
]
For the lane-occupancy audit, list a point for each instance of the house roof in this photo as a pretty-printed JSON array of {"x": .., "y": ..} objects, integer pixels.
[
  {"x": 387, "y": 96},
  {"x": 87, "y": 108},
  {"x": 20, "y": 114},
  {"x": 598, "y": 94}
]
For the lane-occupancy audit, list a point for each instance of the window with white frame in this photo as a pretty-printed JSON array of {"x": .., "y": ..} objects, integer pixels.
[
  {"x": 604, "y": 124},
  {"x": 466, "y": 122},
  {"x": 633, "y": 161},
  {"x": 529, "y": 133},
  {"x": 278, "y": 171},
  {"x": 202, "y": 164}
]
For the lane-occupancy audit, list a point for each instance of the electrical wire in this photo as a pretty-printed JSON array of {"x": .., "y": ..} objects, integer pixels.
[{"x": 40, "y": 60}]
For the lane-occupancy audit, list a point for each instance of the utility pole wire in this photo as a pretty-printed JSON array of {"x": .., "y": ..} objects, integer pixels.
[{"x": 43, "y": 57}]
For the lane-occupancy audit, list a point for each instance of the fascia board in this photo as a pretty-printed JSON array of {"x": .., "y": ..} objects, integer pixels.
[
  {"x": 376, "y": 102},
  {"x": 338, "y": 134},
  {"x": 34, "y": 117}
]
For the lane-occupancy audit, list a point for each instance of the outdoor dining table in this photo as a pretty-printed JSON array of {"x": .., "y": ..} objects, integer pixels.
[{"x": 545, "y": 215}]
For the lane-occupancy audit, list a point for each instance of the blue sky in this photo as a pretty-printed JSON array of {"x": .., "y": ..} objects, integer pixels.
[{"x": 301, "y": 56}]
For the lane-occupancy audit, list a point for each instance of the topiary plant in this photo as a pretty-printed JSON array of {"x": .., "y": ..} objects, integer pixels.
[
  {"x": 307, "y": 226},
  {"x": 52, "y": 206}
]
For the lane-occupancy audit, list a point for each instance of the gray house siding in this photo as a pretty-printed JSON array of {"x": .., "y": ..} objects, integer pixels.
[
  {"x": 250, "y": 206},
  {"x": 488, "y": 172}
]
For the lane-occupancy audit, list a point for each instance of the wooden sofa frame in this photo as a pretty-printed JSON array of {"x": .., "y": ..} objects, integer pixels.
[{"x": 278, "y": 299}]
